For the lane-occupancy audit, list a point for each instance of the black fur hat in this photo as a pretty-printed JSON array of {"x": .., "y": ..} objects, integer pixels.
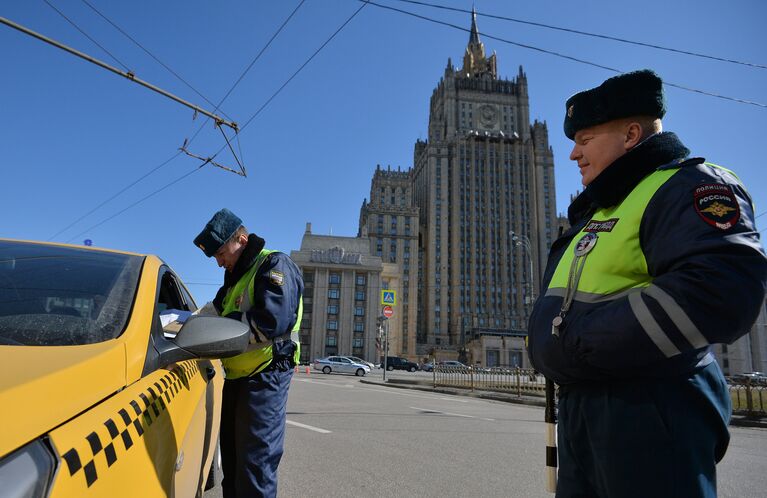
[{"x": 639, "y": 93}]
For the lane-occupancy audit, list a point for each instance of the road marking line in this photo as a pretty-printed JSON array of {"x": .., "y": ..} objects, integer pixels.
[
  {"x": 308, "y": 381},
  {"x": 310, "y": 427},
  {"x": 451, "y": 414},
  {"x": 454, "y": 399}
]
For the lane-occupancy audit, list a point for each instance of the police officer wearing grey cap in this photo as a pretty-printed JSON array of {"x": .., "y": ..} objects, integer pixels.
[
  {"x": 263, "y": 289},
  {"x": 662, "y": 260}
]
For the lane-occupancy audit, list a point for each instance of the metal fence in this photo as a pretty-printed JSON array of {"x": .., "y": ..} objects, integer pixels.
[
  {"x": 512, "y": 380},
  {"x": 749, "y": 399}
]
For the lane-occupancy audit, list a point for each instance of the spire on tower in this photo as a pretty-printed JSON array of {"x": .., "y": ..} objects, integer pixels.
[{"x": 474, "y": 36}]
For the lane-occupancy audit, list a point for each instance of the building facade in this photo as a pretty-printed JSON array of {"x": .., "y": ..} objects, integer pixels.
[
  {"x": 747, "y": 354},
  {"x": 390, "y": 222},
  {"x": 342, "y": 283},
  {"x": 484, "y": 175}
]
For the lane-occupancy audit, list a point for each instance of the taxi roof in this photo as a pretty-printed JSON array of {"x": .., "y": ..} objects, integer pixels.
[{"x": 73, "y": 246}]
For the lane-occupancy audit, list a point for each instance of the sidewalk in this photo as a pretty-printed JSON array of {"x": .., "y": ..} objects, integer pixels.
[{"x": 737, "y": 420}]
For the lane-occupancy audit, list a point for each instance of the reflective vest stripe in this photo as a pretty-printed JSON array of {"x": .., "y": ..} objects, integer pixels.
[
  {"x": 650, "y": 326},
  {"x": 587, "y": 297},
  {"x": 678, "y": 316}
]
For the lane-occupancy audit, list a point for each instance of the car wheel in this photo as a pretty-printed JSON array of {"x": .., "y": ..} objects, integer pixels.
[
  {"x": 360, "y": 372},
  {"x": 411, "y": 369},
  {"x": 389, "y": 368},
  {"x": 326, "y": 370}
]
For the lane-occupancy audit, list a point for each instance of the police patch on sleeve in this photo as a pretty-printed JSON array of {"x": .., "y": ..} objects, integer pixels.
[
  {"x": 276, "y": 277},
  {"x": 716, "y": 205}
]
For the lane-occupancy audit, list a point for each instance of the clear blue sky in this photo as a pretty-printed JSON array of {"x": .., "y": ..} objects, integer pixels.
[{"x": 73, "y": 134}]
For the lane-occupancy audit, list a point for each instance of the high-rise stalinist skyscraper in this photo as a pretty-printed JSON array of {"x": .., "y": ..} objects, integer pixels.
[{"x": 484, "y": 172}]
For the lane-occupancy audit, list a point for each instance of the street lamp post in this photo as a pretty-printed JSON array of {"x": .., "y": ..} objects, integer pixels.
[
  {"x": 524, "y": 242},
  {"x": 550, "y": 416}
]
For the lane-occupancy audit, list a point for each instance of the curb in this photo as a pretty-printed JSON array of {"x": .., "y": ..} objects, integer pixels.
[
  {"x": 735, "y": 421},
  {"x": 741, "y": 421},
  {"x": 459, "y": 392}
]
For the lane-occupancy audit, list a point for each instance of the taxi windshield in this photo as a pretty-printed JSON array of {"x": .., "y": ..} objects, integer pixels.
[{"x": 63, "y": 296}]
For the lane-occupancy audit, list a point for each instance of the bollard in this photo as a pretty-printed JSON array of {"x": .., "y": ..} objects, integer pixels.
[
  {"x": 307, "y": 370},
  {"x": 296, "y": 369},
  {"x": 749, "y": 399}
]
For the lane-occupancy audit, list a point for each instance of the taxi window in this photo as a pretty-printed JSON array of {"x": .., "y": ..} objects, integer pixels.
[{"x": 61, "y": 296}]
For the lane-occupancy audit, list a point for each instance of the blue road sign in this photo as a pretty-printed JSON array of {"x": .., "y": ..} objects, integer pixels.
[{"x": 389, "y": 297}]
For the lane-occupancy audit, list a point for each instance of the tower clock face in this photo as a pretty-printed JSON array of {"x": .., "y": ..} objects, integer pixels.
[{"x": 488, "y": 116}]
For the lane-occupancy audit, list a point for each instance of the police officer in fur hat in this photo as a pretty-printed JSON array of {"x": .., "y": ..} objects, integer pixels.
[
  {"x": 263, "y": 289},
  {"x": 662, "y": 261}
]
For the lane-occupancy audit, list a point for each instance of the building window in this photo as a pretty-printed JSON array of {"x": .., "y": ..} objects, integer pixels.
[
  {"x": 333, "y": 293},
  {"x": 332, "y": 309},
  {"x": 335, "y": 278},
  {"x": 359, "y": 327},
  {"x": 330, "y": 340},
  {"x": 357, "y": 342},
  {"x": 360, "y": 279},
  {"x": 332, "y": 325},
  {"x": 359, "y": 311},
  {"x": 359, "y": 295}
]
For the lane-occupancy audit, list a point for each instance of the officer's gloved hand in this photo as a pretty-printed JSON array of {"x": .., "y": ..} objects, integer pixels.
[{"x": 235, "y": 315}]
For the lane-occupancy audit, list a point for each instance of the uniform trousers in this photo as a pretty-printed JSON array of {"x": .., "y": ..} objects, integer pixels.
[
  {"x": 652, "y": 438},
  {"x": 253, "y": 427}
]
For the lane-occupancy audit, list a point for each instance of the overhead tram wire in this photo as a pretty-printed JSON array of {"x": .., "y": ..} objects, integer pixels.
[
  {"x": 125, "y": 74},
  {"x": 586, "y": 33},
  {"x": 263, "y": 106},
  {"x": 556, "y": 54},
  {"x": 178, "y": 153},
  {"x": 183, "y": 149},
  {"x": 243, "y": 127},
  {"x": 245, "y": 72},
  {"x": 152, "y": 194},
  {"x": 70, "y": 21},
  {"x": 154, "y": 57}
]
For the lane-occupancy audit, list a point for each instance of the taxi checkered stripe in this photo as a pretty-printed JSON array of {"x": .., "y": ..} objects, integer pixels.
[{"x": 119, "y": 437}]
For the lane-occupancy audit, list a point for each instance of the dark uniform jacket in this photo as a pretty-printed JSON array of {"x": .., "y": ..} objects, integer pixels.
[{"x": 716, "y": 274}]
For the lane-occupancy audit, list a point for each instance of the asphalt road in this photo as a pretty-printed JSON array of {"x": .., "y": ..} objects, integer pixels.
[{"x": 347, "y": 439}]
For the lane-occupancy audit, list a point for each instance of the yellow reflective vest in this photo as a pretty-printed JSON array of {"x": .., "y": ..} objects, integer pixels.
[{"x": 257, "y": 357}]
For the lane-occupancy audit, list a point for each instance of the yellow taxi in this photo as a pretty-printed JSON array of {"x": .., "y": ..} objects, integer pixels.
[{"x": 96, "y": 397}]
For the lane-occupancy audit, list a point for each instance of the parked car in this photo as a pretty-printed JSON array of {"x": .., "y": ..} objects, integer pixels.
[
  {"x": 356, "y": 359},
  {"x": 753, "y": 378},
  {"x": 104, "y": 403},
  {"x": 397, "y": 363},
  {"x": 429, "y": 367},
  {"x": 452, "y": 364},
  {"x": 340, "y": 364}
]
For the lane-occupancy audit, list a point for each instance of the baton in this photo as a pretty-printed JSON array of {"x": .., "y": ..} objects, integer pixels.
[{"x": 550, "y": 417}]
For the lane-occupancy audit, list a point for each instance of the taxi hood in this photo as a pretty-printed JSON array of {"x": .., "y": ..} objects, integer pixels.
[{"x": 42, "y": 387}]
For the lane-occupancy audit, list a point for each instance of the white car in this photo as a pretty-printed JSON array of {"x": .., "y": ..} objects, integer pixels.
[
  {"x": 340, "y": 364},
  {"x": 359, "y": 360}
]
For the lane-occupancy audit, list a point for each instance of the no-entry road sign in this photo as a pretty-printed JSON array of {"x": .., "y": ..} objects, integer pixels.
[{"x": 388, "y": 311}]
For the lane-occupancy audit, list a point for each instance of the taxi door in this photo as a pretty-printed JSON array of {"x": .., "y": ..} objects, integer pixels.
[{"x": 155, "y": 437}]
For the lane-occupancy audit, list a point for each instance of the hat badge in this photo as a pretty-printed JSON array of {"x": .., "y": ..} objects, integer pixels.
[{"x": 570, "y": 111}]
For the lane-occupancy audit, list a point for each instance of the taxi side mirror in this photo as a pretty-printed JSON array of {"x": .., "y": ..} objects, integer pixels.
[{"x": 213, "y": 337}]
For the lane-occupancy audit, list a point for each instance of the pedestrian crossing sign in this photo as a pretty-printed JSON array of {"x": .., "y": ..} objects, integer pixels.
[{"x": 389, "y": 297}]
